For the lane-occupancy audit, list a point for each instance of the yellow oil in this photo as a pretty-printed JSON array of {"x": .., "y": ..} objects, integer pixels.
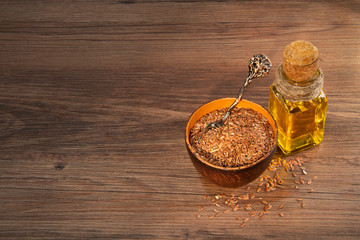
[{"x": 300, "y": 124}]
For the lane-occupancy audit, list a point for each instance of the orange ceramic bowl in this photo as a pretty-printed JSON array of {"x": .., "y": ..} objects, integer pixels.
[{"x": 229, "y": 176}]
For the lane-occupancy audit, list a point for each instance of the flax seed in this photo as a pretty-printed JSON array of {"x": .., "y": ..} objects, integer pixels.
[
  {"x": 243, "y": 225},
  {"x": 222, "y": 146},
  {"x": 246, "y": 219},
  {"x": 281, "y": 206},
  {"x": 281, "y": 214},
  {"x": 248, "y": 207},
  {"x": 302, "y": 204}
]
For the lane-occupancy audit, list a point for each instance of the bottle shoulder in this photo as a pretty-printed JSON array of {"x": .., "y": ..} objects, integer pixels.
[
  {"x": 295, "y": 91},
  {"x": 299, "y": 105}
]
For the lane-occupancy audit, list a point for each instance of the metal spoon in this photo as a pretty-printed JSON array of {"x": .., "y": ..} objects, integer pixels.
[{"x": 259, "y": 66}]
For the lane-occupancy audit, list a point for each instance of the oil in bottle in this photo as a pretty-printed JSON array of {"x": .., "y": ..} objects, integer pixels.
[{"x": 297, "y": 100}]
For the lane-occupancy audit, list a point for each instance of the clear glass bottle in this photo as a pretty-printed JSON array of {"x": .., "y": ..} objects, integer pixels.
[{"x": 297, "y": 100}]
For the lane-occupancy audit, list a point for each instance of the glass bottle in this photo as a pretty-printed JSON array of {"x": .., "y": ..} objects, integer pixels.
[{"x": 297, "y": 100}]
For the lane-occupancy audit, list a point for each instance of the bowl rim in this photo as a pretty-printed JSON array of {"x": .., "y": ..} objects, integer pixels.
[{"x": 187, "y": 135}]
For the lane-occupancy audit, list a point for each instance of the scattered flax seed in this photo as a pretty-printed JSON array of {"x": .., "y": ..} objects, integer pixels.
[
  {"x": 248, "y": 207},
  {"x": 224, "y": 203},
  {"x": 267, "y": 206},
  {"x": 244, "y": 197},
  {"x": 235, "y": 208}
]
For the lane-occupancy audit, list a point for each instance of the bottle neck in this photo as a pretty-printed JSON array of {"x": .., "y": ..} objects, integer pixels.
[{"x": 298, "y": 91}]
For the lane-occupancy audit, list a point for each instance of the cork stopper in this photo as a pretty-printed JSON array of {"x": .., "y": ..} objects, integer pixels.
[{"x": 300, "y": 60}]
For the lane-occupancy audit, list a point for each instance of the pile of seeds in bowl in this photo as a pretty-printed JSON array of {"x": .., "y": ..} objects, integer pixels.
[
  {"x": 245, "y": 137},
  {"x": 260, "y": 199}
]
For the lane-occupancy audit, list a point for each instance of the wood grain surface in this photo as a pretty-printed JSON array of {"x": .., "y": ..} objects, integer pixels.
[{"x": 95, "y": 96}]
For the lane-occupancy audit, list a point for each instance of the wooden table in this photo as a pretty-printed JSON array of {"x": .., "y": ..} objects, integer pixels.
[{"x": 95, "y": 96}]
